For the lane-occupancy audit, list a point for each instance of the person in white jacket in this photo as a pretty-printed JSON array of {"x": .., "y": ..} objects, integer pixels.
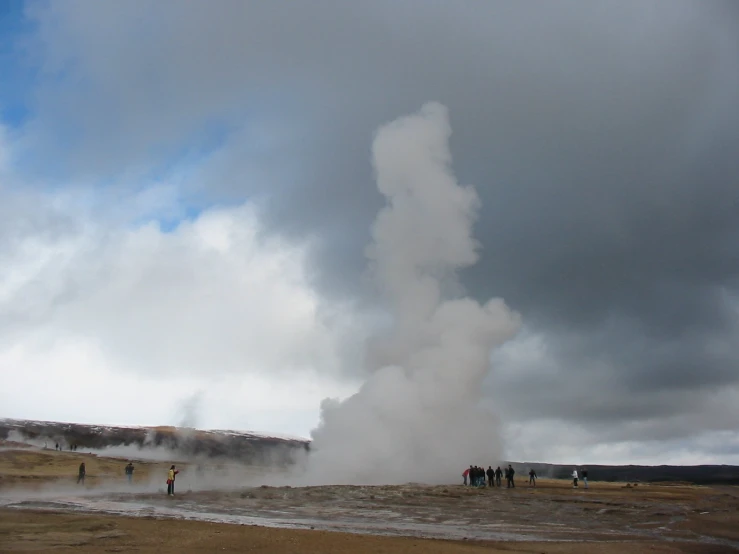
[{"x": 574, "y": 478}]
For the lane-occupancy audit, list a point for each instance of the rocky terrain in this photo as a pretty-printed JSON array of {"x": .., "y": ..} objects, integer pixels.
[{"x": 246, "y": 447}]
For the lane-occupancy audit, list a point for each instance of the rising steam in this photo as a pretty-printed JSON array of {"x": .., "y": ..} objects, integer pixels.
[{"x": 418, "y": 418}]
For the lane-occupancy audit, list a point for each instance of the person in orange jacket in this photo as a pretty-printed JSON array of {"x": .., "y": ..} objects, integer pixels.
[{"x": 170, "y": 480}]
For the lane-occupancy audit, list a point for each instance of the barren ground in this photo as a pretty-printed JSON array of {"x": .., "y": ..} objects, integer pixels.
[{"x": 43, "y": 510}]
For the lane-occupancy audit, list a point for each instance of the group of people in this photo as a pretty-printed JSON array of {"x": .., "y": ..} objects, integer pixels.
[
  {"x": 72, "y": 447},
  {"x": 476, "y": 476},
  {"x": 479, "y": 477},
  {"x": 129, "y": 469},
  {"x": 584, "y": 474}
]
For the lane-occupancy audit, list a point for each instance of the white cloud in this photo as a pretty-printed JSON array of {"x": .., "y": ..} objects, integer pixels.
[
  {"x": 106, "y": 317},
  {"x": 75, "y": 381},
  {"x": 210, "y": 296},
  {"x": 553, "y": 441}
]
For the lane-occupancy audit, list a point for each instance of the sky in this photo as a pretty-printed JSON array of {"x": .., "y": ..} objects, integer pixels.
[{"x": 187, "y": 195}]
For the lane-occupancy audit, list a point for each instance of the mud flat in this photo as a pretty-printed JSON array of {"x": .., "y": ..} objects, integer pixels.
[{"x": 552, "y": 517}]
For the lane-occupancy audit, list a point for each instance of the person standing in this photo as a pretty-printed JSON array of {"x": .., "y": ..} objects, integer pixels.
[
  {"x": 170, "y": 480},
  {"x": 498, "y": 475},
  {"x": 574, "y": 479},
  {"x": 585, "y": 477},
  {"x": 465, "y": 474},
  {"x": 491, "y": 476},
  {"x": 511, "y": 472},
  {"x": 129, "y": 472},
  {"x": 532, "y": 477},
  {"x": 81, "y": 474}
]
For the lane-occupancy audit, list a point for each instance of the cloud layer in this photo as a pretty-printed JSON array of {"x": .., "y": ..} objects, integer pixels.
[{"x": 601, "y": 138}]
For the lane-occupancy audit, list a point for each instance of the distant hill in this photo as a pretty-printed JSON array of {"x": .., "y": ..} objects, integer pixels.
[
  {"x": 264, "y": 449},
  {"x": 252, "y": 448},
  {"x": 699, "y": 475}
]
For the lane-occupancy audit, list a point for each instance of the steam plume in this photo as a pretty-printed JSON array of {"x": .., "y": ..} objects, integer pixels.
[
  {"x": 190, "y": 410},
  {"x": 418, "y": 417}
]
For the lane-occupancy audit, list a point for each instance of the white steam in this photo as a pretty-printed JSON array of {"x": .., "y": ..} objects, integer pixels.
[{"x": 418, "y": 418}]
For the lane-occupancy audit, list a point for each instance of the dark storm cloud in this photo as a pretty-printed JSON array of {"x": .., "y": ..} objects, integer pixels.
[
  {"x": 603, "y": 139},
  {"x": 604, "y": 144}
]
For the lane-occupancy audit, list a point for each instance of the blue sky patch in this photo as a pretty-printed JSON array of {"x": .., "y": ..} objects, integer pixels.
[{"x": 17, "y": 74}]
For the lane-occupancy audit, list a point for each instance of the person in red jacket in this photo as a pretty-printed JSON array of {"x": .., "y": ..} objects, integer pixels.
[{"x": 466, "y": 474}]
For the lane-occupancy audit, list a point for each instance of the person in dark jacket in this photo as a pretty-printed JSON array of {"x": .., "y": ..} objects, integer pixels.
[
  {"x": 81, "y": 474},
  {"x": 510, "y": 472},
  {"x": 532, "y": 477},
  {"x": 491, "y": 476},
  {"x": 498, "y": 475}
]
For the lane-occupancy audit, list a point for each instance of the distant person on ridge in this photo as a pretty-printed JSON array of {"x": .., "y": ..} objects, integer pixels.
[
  {"x": 491, "y": 476},
  {"x": 465, "y": 474},
  {"x": 498, "y": 475},
  {"x": 170, "y": 480},
  {"x": 129, "y": 472},
  {"x": 81, "y": 474},
  {"x": 532, "y": 477},
  {"x": 511, "y": 473}
]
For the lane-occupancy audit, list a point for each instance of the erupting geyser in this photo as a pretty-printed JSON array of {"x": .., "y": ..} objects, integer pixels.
[{"x": 418, "y": 417}]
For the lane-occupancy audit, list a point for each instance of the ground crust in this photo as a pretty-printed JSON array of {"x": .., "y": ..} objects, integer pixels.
[{"x": 31, "y": 531}]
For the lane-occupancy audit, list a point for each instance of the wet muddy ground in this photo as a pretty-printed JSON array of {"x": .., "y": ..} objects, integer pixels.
[
  {"x": 551, "y": 512},
  {"x": 650, "y": 518}
]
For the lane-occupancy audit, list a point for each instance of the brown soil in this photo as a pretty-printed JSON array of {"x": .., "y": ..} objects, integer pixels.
[
  {"x": 29, "y": 467},
  {"x": 551, "y": 518},
  {"x": 51, "y": 532}
]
